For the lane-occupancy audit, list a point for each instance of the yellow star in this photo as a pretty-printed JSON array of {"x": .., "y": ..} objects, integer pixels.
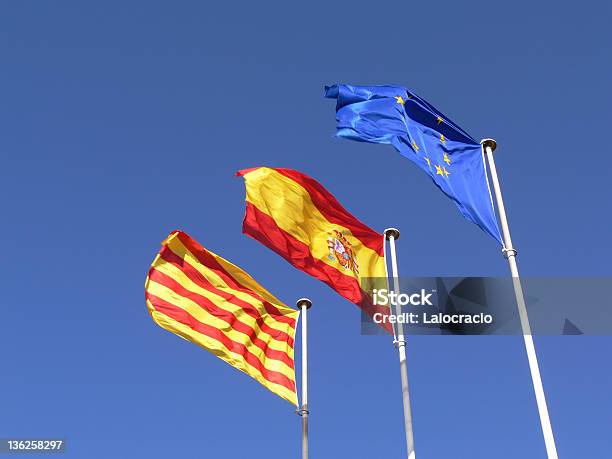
[
  {"x": 428, "y": 161},
  {"x": 446, "y": 173},
  {"x": 439, "y": 120},
  {"x": 400, "y": 100},
  {"x": 439, "y": 170},
  {"x": 415, "y": 146},
  {"x": 447, "y": 159},
  {"x": 442, "y": 139}
]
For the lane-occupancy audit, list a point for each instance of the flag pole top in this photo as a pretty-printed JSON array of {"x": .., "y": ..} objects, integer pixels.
[
  {"x": 392, "y": 232},
  {"x": 489, "y": 143},
  {"x": 303, "y": 302}
]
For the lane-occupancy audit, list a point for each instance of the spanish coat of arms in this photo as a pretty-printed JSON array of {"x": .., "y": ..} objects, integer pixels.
[{"x": 341, "y": 251}]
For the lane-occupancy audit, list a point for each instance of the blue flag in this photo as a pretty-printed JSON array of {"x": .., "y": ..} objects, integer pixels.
[{"x": 397, "y": 116}]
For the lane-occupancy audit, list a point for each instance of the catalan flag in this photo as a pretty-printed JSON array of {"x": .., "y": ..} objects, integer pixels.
[
  {"x": 211, "y": 302},
  {"x": 292, "y": 214}
]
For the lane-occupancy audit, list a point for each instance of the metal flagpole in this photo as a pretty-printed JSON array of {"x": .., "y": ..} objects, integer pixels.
[
  {"x": 489, "y": 146},
  {"x": 304, "y": 304},
  {"x": 392, "y": 234}
]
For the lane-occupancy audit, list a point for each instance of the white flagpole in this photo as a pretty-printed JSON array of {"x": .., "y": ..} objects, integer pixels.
[
  {"x": 489, "y": 146},
  {"x": 304, "y": 304},
  {"x": 392, "y": 234}
]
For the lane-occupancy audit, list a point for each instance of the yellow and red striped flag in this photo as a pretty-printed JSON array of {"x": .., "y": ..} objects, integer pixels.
[
  {"x": 292, "y": 214},
  {"x": 211, "y": 302}
]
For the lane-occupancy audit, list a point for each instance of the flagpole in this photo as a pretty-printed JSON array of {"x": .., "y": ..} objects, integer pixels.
[
  {"x": 392, "y": 234},
  {"x": 304, "y": 304},
  {"x": 489, "y": 146}
]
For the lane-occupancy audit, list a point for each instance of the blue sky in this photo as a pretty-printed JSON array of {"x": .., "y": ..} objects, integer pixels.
[{"x": 122, "y": 121}]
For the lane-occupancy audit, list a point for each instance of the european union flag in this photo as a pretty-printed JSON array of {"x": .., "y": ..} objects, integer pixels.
[{"x": 397, "y": 116}]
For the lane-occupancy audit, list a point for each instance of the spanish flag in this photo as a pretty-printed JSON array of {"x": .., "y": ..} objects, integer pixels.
[
  {"x": 292, "y": 214},
  {"x": 207, "y": 300}
]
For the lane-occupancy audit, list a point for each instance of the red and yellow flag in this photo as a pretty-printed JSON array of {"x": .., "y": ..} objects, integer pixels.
[
  {"x": 213, "y": 303},
  {"x": 292, "y": 214}
]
